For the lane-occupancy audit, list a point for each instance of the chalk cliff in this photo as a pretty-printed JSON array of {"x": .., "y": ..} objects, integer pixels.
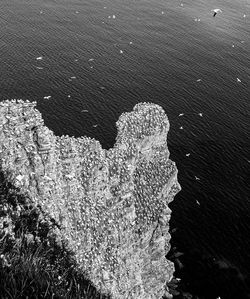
[{"x": 111, "y": 206}]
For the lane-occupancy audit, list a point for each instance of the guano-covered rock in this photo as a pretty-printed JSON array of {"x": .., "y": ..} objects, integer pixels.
[{"x": 111, "y": 206}]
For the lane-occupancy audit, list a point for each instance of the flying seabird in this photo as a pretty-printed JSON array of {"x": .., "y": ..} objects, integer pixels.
[{"x": 216, "y": 10}]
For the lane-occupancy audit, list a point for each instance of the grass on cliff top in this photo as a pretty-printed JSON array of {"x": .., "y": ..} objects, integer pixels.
[
  {"x": 32, "y": 263},
  {"x": 30, "y": 270}
]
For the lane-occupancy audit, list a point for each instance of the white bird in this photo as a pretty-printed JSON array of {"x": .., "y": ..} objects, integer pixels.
[
  {"x": 198, "y": 202},
  {"x": 39, "y": 58},
  {"x": 181, "y": 128},
  {"x": 47, "y": 97},
  {"x": 238, "y": 80},
  {"x": 216, "y": 10},
  {"x": 198, "y": 80},
  {"x": 200, "y": 114},
  {"x": 181, "y": 114},
  {"x": 197, "y": 178},
  {"x": 188, "y": 154},
  {"x": 121, "y": 51}
]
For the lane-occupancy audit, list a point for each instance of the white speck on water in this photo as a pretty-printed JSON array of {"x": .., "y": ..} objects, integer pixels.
[
  {"x": 238, "y": 80},
  {"x": 91, "y": 59},
  {"x": 197, "y": 179},
  {"x": 181, "y": 114},
  {"x": 109, "y": 17},
  {"x": 232, "y": 46},
  {"x": 69, "y": 96},
  {"x": 181, "y": 128},
  {"x": 39, "y": 67},
  {"x": 77, "y": 11},
  {"x": 39, "y": 58},
  {"x": 244, "y": 16},
  {"x": 95, "y": 126},
  {"x": 216, "y": 10},
  {"x": 47, "y": 97},
  {"x": 105, "y": 7},
  {"x": 85, "y": 110},
  {"x": 121, "y": 52},
  {"x": 198, "y": 80},
  {"x": 200, "y": 114},
  {"x": 73, "y": 77},
  {"x": 188, "y": 154},
  {"x": 113, "y": 16},
  {"x": 198, "y": 202},
  {"x": 162, "y": 12},
  {"x": 130, "y": 43},
  {"x": 181, "y": 4}
]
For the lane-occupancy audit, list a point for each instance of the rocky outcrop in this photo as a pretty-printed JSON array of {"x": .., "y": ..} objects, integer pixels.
[{"x": 111, "y": 206}]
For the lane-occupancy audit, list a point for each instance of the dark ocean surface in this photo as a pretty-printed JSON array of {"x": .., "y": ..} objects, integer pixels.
[{"x": 98, "y": 58}]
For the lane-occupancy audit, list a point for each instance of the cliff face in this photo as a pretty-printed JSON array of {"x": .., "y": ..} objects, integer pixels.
[{"x": 111, "y": 205}]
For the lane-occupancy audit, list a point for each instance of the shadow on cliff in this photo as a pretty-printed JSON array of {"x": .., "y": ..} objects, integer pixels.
[
  {"x": 32, "y": 262},
  {"x": 204, "y": 277}
]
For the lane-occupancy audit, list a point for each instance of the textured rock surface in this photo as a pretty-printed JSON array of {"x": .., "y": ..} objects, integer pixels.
[{"x": 111, "y": 205}]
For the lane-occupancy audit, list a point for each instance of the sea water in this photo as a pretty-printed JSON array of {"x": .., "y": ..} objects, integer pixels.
[{"x": 87, "y": 61}]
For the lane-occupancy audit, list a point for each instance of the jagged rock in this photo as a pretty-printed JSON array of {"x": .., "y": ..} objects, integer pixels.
[{"x": 111, "y": 205}]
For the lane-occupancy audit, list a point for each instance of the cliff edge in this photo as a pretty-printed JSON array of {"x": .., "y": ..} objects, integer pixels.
[{"x": 110, "y": 206}]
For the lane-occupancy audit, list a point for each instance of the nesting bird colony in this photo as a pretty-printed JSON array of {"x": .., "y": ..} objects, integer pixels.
[{"x": 111, "y": 205}]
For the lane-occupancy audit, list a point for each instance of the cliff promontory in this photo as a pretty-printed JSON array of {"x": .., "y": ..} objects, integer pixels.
[{"x": 110, "y": 206}]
